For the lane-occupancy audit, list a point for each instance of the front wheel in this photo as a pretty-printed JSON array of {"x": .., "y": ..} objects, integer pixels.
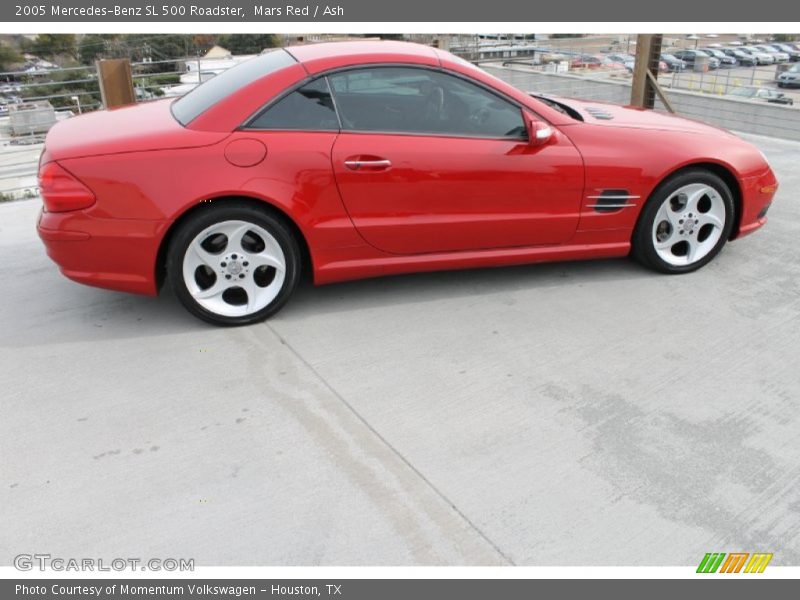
[
  {"x": 233, "y": 264},
  {"x": 685, "y": 223}
]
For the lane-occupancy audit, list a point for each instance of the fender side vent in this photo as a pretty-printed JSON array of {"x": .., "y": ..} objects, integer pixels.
[{"x": 612, "y": 201}]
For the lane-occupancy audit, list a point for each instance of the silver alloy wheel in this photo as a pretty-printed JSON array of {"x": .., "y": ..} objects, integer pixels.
[
  {"x": 689, "y": 224},
  {"x": 234, "y": 268}
]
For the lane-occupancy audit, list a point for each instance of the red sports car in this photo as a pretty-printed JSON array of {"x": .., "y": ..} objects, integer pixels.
[{"x": 360, "y": 159}]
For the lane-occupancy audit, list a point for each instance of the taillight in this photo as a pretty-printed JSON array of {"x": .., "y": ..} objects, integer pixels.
[{"x": 61, "y": 191}]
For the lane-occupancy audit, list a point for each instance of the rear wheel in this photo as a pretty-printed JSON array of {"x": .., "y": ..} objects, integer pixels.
[
  {"x": 233, "y": 264},
  {"x": 685, "y": 223}
]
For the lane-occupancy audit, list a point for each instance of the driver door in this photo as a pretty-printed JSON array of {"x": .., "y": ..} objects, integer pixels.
[{"x": 430, "y": 162}]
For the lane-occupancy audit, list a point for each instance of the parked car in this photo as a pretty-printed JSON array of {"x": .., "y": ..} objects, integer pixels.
[
  {"x": 358, "y": 159},
  {"x": 779, "y": 55},
  {"x": 761, "y": 57},
  {"x": 763, "y": 94},
  {"x": 629, "y": 61},
  {"x": 743, "y": 58},
  {"x": 724, "y": 59},
  {"x": 593, "y": 61},
  {"x": 789, "y": 78},
  {"x": 673, "y": 62},
  {"x": 794, "y": 53},
  {"x": 626, "y": 60},
  {"x": 691, "y": 56}
]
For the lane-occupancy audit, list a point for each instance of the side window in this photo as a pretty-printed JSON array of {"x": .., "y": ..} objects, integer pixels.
[
  {"x": 308, "y": 108},
  {"x": 415, "y": 100}
]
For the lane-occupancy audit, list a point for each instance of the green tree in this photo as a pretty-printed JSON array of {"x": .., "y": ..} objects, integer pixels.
[
  {"x": 158, "y": 47},
  {"x": 8, "y": 57},
  {"x": 51, "y": 45},
  {"x": 93, "y": 46},
  {"x": 247, "y": 43}
]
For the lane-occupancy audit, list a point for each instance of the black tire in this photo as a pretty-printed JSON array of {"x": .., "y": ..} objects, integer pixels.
[
  {"x": 643, "y": 247},
  {"x": 227, "y": 210}
]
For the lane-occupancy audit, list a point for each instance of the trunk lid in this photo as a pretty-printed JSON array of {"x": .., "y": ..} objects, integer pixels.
[{"x": 136, "y": 128}]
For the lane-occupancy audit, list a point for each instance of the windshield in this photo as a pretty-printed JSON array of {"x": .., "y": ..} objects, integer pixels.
[
  {"x": 207, "y": 94},
  {"x": 743, "y": 92}
]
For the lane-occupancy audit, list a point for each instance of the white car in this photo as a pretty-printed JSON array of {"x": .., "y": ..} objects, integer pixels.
[
  {"x": 762, "y": 58},
  {"x": 779, "y": 56}
]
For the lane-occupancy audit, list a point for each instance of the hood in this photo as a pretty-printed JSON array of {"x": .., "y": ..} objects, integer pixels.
[
  {"x": 605, "y": 114},
  {"x": 136, "y": 128}
]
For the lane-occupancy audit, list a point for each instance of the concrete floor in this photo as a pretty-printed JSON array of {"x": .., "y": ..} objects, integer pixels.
[{"x": 568, "y": 414}]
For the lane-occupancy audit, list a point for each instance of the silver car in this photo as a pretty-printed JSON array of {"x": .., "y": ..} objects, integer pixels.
[
  {"x": 779, "y": 56},
  {"x": 789, "y": 78},
  {"x": 762, "y": 58}
]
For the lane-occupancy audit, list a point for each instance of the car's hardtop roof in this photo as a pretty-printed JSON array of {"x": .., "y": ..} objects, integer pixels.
[{"x": 329, "y": 55}]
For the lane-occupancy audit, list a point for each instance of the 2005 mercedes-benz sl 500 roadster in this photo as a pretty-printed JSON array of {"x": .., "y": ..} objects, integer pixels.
[{"x": 360, "y": 159}]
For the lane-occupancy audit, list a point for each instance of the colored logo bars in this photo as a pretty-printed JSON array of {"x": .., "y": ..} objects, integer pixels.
[{"x": 713, "y": 562}]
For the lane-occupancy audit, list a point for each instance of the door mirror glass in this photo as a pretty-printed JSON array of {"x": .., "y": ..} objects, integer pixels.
[{"x": 539, "y": 133}]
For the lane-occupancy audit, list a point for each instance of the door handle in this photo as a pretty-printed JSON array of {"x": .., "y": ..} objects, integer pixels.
[{"x": 377, "y": 164}]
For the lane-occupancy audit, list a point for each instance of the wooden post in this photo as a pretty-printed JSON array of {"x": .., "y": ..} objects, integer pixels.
[
  {"x": 645, "y": 70},
  {"x": 116, "y": 82}
]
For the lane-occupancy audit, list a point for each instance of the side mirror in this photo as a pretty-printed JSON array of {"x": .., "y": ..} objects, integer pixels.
[{"x": 539, "y": 133}]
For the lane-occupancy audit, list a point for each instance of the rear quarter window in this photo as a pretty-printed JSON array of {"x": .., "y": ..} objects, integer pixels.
[{"x": 207, "y": 94}]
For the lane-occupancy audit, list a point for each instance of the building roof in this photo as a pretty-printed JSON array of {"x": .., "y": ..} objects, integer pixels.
[{"x": 217, "y": 52}]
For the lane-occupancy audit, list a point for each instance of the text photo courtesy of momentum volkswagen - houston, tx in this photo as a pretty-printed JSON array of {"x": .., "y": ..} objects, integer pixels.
[{"x": 432, "y": 301}]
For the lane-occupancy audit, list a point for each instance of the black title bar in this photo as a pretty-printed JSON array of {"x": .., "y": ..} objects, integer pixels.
[{"x": 443, "y": 11}]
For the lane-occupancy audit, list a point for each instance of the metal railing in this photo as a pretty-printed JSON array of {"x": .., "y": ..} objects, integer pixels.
[{"x": 75, "y": 90}]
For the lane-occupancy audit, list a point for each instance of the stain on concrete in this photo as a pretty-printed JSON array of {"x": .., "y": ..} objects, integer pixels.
[
  {"x": 685, "y": 469},
  {"x": 107, "y": 453}
]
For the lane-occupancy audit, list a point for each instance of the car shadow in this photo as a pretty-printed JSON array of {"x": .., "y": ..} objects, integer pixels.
[
  {"x": 439, "y": 285},
  {"x": 74, "y": 313}
]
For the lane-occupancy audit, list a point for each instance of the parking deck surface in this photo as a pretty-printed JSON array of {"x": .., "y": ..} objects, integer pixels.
[{"x": 587, "y": 413}]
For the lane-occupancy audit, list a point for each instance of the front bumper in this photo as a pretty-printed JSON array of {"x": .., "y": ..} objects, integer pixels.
[
  {"x": 117, "y": 254},
  {"x": 757, "y": 194}
]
